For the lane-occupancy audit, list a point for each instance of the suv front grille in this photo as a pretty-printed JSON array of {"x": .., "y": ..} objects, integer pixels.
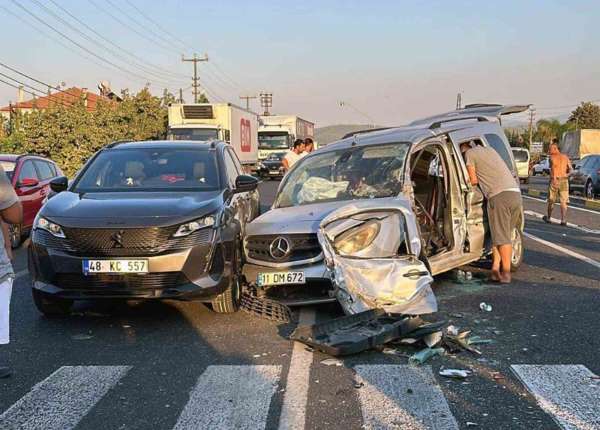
[
  {"x": 303, "y": 247},
  {"x": 78, "y": 281},
  {"x": 134, "y": 241}
]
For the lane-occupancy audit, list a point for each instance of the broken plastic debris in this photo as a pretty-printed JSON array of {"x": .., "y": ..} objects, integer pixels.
[
  {"x": 454, "y": 373},
  {"x": 425, "y": 354},
  {"x": 471, "y": 424},
  {"x": 452, "y": 330},
  {"x": 408, "y": 340},
  {"x": 485, "y": 307},
  {"x": 359, "y": 385},
  {"x": 332, "y": 362},
  {"x": 433, "y": 339},
  {"x": 82, "y": 336},
  {"x": 476, "y": 340},
  {"x": 457, "y": 315}
]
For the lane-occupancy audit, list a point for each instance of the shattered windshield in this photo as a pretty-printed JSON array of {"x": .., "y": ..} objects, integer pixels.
[{"x": 363, "y": 172}]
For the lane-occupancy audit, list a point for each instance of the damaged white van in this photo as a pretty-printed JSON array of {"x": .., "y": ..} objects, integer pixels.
[{"x": 370, "y": 219}]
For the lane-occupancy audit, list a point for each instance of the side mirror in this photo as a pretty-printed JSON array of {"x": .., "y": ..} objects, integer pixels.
[
  {"x": 244, "y": 183},
  {"x": 28, "y": 182},
  {"x": 60, "y": 184}
]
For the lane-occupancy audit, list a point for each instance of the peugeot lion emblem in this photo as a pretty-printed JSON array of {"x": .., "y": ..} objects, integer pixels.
[
  {"x": 280, "y": 248},
  {"x": 117, "y": 239}
]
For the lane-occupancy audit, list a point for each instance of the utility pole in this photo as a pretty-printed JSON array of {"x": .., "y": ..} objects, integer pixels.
[
  {"x": 195, "y": 82},
  {"x": 248, "y": 98},
  {"x": 531, "y": 119},
  {"x": 266, "y": 101},
  {"x": 458, "y": 101},
  {"x": 180, "y": 95}
]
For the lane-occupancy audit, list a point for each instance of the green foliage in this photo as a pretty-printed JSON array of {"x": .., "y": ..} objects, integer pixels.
[
  {"x": 70, "y": 135},
  {"x": 586, "y": 115}
]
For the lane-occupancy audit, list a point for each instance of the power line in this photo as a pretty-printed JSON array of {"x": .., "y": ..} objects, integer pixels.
[
  {"x": 164, "y": 73},
  {"x": 12, "y": 69},
  {"x": 61, "y": 101}
]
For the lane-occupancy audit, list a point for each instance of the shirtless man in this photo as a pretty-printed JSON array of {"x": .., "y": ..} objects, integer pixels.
[{"x": 558, "y": 188}]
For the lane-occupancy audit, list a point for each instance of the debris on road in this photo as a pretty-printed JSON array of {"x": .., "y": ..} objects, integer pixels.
[
  {"x": 456, "y": 343},
  {"x": 485, "y": 307},
  {"x": 264, "y": 308},
  {"x": 433, "y": 339},
  {"x": 82, "y": 336},
  {"x": 456, "y": 315},
  {"x": 332, "y": 362},
  {"x": 424, "y": 355},
  {"x": 454, "y": 373}
]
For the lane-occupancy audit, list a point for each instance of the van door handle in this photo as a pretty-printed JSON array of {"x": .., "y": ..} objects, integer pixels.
[{"x": 415, "y": 273}]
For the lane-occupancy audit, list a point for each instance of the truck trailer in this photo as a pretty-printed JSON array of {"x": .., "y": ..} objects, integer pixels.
[
  {"x": 217, "y": 121},
  {"x": 278, "y": 132},
  {"x": 580, "y": 143}
]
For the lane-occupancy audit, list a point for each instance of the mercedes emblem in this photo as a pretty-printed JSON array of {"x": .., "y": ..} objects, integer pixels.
[{"x": 280, "y": 248}]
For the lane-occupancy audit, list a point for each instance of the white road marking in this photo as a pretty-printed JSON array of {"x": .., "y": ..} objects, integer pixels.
[
  {"x": 61, "y": 400},
  {"x": 567, "y": 392},
  {"x": 402, "y": 397},
  {"x": 570, "y": 207},
  {"x": 557, "y": 221},
  {"x": 230, "y": 397},
  {"x": 563, "y": 250},
  {"x": 293, "y": 411}
]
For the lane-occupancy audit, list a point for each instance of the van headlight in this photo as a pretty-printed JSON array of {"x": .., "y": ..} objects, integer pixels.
[
  {"x": 192, "y": 226},
  {"x": 52, "y": 228},
  {"x": 356, "y": 239}
]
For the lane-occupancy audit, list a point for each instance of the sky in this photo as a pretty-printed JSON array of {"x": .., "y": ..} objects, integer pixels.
[{"x": 390, "y": 62}]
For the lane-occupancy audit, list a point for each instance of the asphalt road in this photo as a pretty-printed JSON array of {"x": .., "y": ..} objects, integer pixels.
[{"x": 164, "y": 365}]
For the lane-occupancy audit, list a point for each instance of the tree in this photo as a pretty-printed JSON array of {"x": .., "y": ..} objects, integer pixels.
[{"x": 586, "y": 115}]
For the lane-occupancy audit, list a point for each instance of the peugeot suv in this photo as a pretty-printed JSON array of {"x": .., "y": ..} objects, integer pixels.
[
  {"x": 145, "y": 220},
  {"x": 352, "y": 191}
]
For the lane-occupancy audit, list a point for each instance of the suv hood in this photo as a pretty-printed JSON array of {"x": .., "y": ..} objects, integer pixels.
[{"x": 129, "y": 209}]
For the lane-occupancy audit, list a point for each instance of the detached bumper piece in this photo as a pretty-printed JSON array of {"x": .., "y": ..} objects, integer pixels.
[
  {"x": 362, "y": 331},
  {"x": 265, "y": 308}
]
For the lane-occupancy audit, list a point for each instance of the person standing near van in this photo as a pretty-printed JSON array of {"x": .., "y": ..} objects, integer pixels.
[
  {"x": 558, "y": 187},
  {"x": 504, "y": 203},
  {"x": 11, "y": 212},
  {"x": 309, "y": 145},
  {"x": 293, "y": 155}
]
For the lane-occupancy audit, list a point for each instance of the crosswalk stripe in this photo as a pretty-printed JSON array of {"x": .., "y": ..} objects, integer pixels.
[
  {"x": 402, "y": 397},
  {"x": 227, "y": 397},
  {"x": 61, "y": 400},
  {"x": 569, "y": 393}
]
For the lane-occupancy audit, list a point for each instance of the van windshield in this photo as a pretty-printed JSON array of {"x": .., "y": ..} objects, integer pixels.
[
  {"x": 363, "y": 172},
  {"x": 520, "y": 155}
]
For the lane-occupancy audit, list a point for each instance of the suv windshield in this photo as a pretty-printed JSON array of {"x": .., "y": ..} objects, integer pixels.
[
  {"x": 199, "y": 134},
  {"x": 150, "y": 169},
  {"x": 353, "y": 173},
  {"x": 273, "y": 141}
]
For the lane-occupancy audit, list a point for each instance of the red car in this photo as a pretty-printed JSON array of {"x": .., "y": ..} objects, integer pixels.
[{"x": 30, "y": 176}]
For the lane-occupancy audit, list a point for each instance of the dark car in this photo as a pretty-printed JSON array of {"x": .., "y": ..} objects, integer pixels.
[
  {"x": 30, "y": 176},
  {"x": 585, "y": 179},
  {"x": 145, "y": 220},
  {"x": 272, "y": 166}
]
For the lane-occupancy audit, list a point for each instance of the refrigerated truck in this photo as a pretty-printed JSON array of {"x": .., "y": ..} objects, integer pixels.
[
  {"x": 578, "y": 144},
  {"x": 217, "y": 121},
  {"x": 277, "y": 133}
]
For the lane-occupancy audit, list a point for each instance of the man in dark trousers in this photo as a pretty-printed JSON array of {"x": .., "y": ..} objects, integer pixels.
[
  {"x": 487, "y": 169},
  {"x": 10, "y": 213}
]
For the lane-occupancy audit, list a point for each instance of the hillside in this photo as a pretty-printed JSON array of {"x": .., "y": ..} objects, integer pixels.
[{"x": 331, "y": 133}]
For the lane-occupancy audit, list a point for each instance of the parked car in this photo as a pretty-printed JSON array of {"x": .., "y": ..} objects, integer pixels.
[
  {"x": 30, "y": 176},
  {"x": 541, "y": 168},
  {"x": 347, "y": 189},
  {"x": 585, "y": 178},
  {"x": 521, "y": 156},
  {"x": 272, "y": 167},
  {"x": 145, "y": 220}
]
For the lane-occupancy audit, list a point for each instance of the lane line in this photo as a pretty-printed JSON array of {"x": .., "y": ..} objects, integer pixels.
[
  {"x": 567, "y": 392},
  {"x": 402, "y": 397},
  {"x": 293, "y": 411},
  {"x": 563, "y": 250},
  {"x": 557, "y": 221},
  {"x": 62, "y": 399},
  {"x": 569, "y": 206},
  {"x": 230, "y": 397}
]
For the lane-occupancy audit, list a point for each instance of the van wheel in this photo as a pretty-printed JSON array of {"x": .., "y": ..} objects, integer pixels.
[
  {"x": 517, "y": 250},
  {"x": 229, "y": 300},
  {"x": 51, "y": 306},
  {"x": 16, "y": 235}
]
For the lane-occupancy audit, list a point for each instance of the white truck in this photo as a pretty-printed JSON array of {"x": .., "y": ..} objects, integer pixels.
[
  {"x": 217, "y": 121},
  {"x": 278, "y": 132},
  {"x": 580, "y": 143}
]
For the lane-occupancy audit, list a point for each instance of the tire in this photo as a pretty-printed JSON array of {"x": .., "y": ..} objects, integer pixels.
[
  {"x": 229, "y": 300},
  {"x": 518, "y": 250},
  {"x": 16, "y": 235},
  {"x": 588, "y": 191},
  {"x": 51, "y": 306},
  {"x": 526, "y": 180}
]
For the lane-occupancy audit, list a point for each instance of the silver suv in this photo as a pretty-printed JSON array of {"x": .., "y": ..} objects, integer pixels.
[{"x": 344, "y": 194}]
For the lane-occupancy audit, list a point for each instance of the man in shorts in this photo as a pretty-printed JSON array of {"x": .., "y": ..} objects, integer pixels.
[
  {"x": 504, "y": 204},
  {"x": 558, "y": 187}
]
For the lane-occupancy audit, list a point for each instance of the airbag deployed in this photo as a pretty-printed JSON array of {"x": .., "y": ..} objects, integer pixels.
[{"x": 370, "y": 249}]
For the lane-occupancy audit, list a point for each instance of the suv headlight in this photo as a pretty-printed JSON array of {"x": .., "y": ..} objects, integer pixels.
[
  {"x": 50, "y": 227},
  {"x": 192, "y": 226},
  {"x": 356, "y": 239}
]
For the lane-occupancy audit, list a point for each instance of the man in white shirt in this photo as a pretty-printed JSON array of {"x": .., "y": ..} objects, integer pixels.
[{"x": 293, "y": 155}]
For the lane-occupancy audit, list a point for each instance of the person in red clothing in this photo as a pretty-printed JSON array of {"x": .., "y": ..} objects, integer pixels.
[{"x": 558, "y": 188}]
